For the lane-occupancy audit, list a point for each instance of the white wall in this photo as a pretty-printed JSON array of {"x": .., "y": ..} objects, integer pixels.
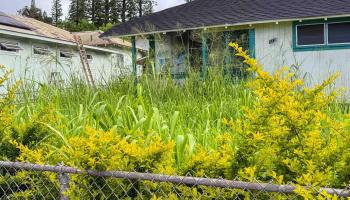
[
  {"x": 39, "y": 68},
  {"x": 316, "y": 65}
]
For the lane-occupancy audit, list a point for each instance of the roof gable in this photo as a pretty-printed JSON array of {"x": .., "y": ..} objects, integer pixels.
[{"x": 204, "y": 13}]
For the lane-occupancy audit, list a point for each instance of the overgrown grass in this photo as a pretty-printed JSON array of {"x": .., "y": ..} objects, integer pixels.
[
  {"x": 264, "y": 127},
  {"x": 188, "y": 112}
]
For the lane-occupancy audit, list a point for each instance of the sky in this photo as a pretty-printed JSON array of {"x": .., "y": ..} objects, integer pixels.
[{"x": 11, "y": 6}]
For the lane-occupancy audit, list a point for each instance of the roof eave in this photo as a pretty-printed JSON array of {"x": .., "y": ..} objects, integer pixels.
[
  {"x": 52, "y": 40},
  {"x": 226, "y": 25}
]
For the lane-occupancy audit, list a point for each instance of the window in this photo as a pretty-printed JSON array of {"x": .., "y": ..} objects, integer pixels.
[
  {"x": 316, "y": 35},
  {"x": 41, "y": 50},
  {"x": 10, "y": 47},
  {"x": 120, "y": 60},
  {"x": 339, "y": 33},
  {"x": 310, "y": 34},
  {"x": 89, "y": 57},
  {"x": 66, "y": 54}
]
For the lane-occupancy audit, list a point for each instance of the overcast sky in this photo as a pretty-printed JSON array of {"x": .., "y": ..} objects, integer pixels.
[{"x": 11, "y": 6}]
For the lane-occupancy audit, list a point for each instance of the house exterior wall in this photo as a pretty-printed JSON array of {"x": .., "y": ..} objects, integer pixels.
[
  {"x": 315, "y": 65},
  {"x": 163, "y": 51},
  {"x": 42, "y": 68}
]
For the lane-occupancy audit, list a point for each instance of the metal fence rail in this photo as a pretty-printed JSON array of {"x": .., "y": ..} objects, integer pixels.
[{"x": 18, "y": 180}]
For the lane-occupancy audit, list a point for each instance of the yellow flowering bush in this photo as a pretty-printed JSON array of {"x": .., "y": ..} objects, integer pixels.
[
  {"x": 104, "y": 151},
  {"x": 288, "y": 132},
  {"x": 7, "y": 110},
  {"x": 212, "y": 163}
]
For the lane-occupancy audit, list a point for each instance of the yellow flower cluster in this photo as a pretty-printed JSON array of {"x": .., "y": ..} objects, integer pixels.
[{"x": 288, "y": 131}]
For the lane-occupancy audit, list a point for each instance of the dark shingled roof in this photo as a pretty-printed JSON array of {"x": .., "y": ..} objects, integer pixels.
[
  {"x": 204, "y": 13},
  {"x": 9, "y": 21}
]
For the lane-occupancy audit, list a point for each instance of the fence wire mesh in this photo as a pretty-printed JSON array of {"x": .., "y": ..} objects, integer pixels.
[{"x": 32, "y": 181}]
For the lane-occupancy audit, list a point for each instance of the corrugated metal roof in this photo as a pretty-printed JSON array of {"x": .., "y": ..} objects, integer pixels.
[
  {"x": 9, "y": 21},
  {"x": 206, "y": 13}
]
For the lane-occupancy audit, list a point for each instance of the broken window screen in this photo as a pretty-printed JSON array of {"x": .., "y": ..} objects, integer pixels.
[
  {"x": 310, "y": 34},
  {"x": 89, "y": 57},
  {"x": 66, "y": 54},
  {"x": 339, "y": 33},
  {"x": 41, "y": 50},
  {"x": 11, "y": 47}
]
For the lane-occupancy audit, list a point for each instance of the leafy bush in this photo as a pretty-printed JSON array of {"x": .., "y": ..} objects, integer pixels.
[
  {"x": 288, "y": 132},
  {"x": 271, "y": 127}
]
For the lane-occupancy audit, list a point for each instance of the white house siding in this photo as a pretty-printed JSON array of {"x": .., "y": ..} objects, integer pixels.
[
  {"x": 315, "y": 65},
  {"x": 39, "y": 68}
]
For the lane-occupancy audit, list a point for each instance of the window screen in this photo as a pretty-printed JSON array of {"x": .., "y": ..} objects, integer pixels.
[
  {"x": 310, "y": 34},
  {"x": 66, "y": 54},
  {"x": 41, "y": 50},
  {"x": 89, "y": 57},
  {"x": 339, "y": 33},
  {"x": 11, "y": 47}
]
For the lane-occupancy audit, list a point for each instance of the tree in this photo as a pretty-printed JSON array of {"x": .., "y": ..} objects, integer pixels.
[
  {"x": 32, "y": 11},
  {"x": 46, "y": 18},
  {"x": 115, "y": 11},
  {"x": 106, "y": 11},
  {"x": 131, "y": 9},
  {"x": 145, "y": 7},
  {"x": 123, "y": 10},
  {"x": 96, "y": 12},
  {"x": 79, "y": 10},
  {"x": 56, "y": 11},
  {"x": 83, "y": 25}
]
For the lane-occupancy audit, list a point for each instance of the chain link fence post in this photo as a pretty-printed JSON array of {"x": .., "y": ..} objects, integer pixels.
[{"x": 64, "y": 180}]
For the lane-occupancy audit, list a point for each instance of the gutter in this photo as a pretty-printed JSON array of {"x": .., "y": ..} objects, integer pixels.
[
  {"x": 226, "y": 25},
  {"x": 52, "y": 40}
]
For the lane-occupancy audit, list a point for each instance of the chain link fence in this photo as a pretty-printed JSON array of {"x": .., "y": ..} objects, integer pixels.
[{"x": 32, "y": 181}]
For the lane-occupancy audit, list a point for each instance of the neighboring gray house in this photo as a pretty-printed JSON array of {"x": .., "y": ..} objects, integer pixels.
[
  {"x": 43, "y": 53},
  {"x": 313, "y": 36}
]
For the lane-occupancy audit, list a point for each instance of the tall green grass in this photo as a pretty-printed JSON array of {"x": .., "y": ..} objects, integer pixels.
[{"x": 189, "y": 112}]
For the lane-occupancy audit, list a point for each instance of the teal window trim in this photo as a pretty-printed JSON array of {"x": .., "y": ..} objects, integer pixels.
[
  {"x": 204, "y": 55},
  {"x": 252, "y": 43},
  {"x": 152, "y": 48},
  {"x": 319, "y": 47},
  {"x": 134, "y": 55}
]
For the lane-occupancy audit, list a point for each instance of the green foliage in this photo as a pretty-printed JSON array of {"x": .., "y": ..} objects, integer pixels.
[
  {"x": 34, "y": 12},
  {"x": 82, "y": 25},
  {"x": 288, "y": 132},
  {"x": 100, "y": 12},
  {"x": 56, "y": 11},
  {"x": 269, "y": 127},
  {"x": 106, "y": 27}
]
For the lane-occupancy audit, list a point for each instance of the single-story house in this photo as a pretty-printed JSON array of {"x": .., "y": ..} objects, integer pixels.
[
  {"x": 39, "y": 52},
  {"x": 122, "y": 61},
  {"x": 311, "y": 36}
]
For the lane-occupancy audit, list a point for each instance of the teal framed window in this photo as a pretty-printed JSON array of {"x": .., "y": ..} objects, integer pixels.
[{"x": 316, "y": 35}]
